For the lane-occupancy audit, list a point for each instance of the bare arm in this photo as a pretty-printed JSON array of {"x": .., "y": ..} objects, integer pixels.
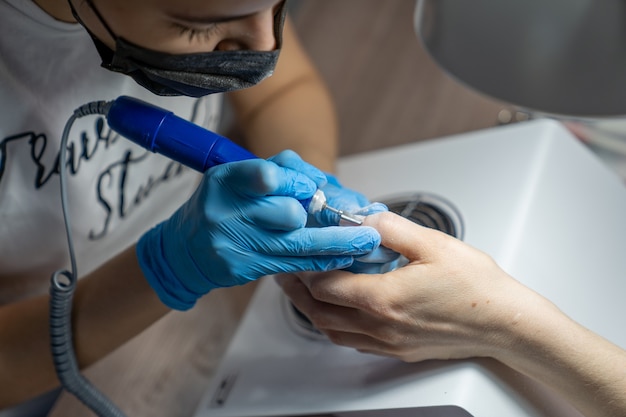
[
  {"x": 290, "y": 110},
  {"x": 586, "y": 369},
  {"x": 111, "y": 305},
  {"x": 452, "y": 302}
]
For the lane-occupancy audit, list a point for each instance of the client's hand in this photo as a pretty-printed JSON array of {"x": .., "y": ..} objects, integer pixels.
[{"x": 450, "y": 301}]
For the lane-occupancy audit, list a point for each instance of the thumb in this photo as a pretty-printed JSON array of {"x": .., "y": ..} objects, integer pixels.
[{"x": 399, "y": 234}]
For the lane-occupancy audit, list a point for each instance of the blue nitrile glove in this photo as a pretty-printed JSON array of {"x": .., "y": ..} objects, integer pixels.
[
  {"x": 340, "y": 198},
  {"x": 244, "y": 222}
]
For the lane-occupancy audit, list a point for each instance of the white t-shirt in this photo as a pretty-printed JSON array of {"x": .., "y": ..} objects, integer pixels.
[{"x": 117, "y": 190}]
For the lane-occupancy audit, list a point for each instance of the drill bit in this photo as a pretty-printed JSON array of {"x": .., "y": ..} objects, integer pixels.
[{"x": 349, "y": 217}]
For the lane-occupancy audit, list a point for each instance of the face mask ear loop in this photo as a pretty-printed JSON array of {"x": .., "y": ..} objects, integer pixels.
[
  {"x": 98, "y": 15},
  {"x": 279, "y": 21},
  {"x": 101, "y": 19}
]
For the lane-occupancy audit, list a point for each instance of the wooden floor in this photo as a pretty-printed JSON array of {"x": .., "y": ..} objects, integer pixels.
[{"x": 388, "y": 92}]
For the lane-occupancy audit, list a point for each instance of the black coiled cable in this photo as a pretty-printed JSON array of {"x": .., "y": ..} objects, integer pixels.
[{"x": 62, "y": 287}]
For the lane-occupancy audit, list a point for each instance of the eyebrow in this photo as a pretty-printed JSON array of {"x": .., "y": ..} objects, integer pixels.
[{"x": 207, "y": 20}]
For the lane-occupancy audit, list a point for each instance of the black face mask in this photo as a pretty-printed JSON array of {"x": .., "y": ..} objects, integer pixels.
[{"x": 194, "y": 75}]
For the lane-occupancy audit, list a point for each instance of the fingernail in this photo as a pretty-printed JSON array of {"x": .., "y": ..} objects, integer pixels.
[{"x": 372, "y": 209}]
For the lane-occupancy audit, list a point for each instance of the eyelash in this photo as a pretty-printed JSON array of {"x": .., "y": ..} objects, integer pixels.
[{"x": 195, "y": 34}]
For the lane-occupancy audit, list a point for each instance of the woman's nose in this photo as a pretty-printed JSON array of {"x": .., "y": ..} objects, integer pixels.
[{"x": 255, "y": 32}]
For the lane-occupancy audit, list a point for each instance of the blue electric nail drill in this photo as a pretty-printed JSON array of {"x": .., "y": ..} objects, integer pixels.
[{"x": 162, "y": 132}]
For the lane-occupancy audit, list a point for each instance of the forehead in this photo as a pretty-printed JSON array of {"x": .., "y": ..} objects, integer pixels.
[{"x": 217, "y": 8}]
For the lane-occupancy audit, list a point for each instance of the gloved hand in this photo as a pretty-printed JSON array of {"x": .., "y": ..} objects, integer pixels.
[
  {"x": 340, "y": 198},
  {"x": 244, "y": 222},
  {"x": 376, "y": 262}
]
